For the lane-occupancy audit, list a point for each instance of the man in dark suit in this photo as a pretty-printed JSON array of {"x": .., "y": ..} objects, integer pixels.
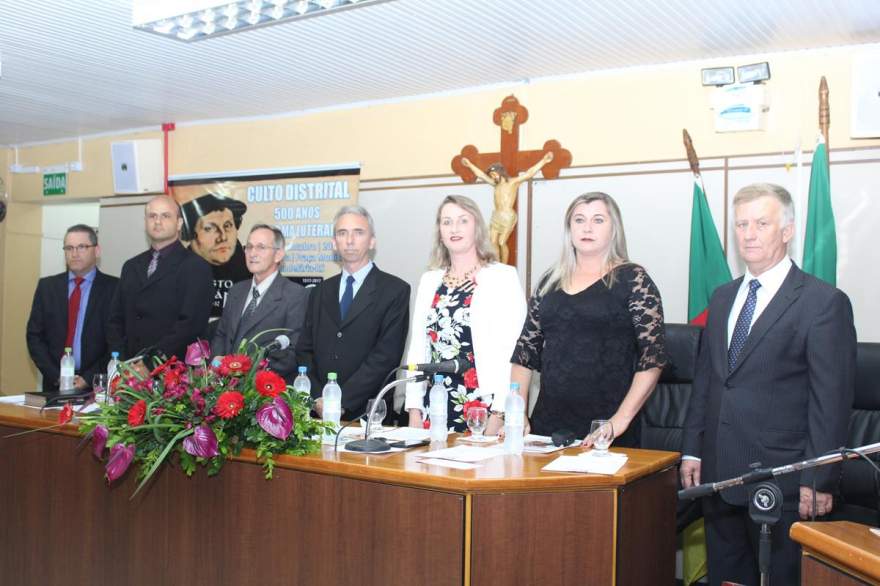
[
  {"x": 164, "y": 295},
  {"x": 70, "y": 309},
  {"x": 267, "y": 302},
  {"x": 774, "y": 384},
  {"x": 357, "y": 321}
]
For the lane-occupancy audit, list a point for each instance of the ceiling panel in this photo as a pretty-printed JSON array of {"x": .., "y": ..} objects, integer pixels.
[{"x": 73, "y": 67}]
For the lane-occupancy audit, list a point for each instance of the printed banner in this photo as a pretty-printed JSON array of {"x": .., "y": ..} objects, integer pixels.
[{"x": 218, "y": 214}]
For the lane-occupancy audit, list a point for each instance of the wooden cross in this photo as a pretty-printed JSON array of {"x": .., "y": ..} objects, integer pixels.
[{"x": 510, "y": 116}]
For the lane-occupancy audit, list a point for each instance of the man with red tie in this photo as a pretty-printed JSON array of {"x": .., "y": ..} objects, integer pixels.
[{"x": 70, "y": 310}]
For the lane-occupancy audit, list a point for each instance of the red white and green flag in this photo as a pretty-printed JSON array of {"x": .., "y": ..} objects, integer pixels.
[
  {"x": 820, "y": 239},
  {"x": 708, "y": 265}
]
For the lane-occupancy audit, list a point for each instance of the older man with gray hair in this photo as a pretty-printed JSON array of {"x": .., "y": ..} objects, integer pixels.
[
  {"x": 357, "y": 321},
  {"x": 774, "y": 384}
]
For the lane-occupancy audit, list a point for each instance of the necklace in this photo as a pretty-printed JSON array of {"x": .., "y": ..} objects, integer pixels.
[{"x": 452, "y": 281}]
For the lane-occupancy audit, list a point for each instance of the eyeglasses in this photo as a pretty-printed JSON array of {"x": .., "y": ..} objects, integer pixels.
[
  {"x": 259, "y": 248},
  {"x": 78, "y": 247}
]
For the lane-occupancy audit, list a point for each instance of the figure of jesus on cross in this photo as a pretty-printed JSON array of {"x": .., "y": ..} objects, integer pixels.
[
  {"x": 504, "y": 215},
  {"x": 502, "y": 169}
]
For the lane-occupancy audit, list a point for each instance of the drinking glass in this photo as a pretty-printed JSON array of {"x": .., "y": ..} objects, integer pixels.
[
  {"x": 602, "y": 434},
  {"x": 378, "y": 416},
  {"x": 476, "y": 421},
  {"x": 99, "y": 387}
]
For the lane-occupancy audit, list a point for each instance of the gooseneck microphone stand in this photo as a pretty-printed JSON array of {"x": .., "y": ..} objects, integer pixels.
[
  {"x": 765, "y": 501},
  {"x": 369, "y": 444}
]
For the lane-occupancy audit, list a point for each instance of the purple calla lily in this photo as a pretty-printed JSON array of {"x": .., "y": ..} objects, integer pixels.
[
  {"x": 99, "y": 440},
  {"x": 197, "y": 352},
  {"x": 121, "y": 456},
  {"x": 202, "y": 443},
  {"x": 276, "y": 419}
]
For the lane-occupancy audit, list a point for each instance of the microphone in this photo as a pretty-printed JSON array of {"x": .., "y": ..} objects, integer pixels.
[
  {"x": 454, "y": 366},
  {"x": 696, "y": 492},
  {"x": 563, "y": 437},
  {"x": 281, "y": 342}
]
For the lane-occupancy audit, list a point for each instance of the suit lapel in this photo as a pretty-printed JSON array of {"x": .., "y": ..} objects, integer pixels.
[
  {"x": 167, "y": 265},
  {"x": 330, "y": 299},
  {"x": 725, "y": 306},
  {"x": 95, "y": 300},
  {"x": 787, "y": 294},
  {"x": 271, "y": 300},
  {"x": 364, "y": 297}
]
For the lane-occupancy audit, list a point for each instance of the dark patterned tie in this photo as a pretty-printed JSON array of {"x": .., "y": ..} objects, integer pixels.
[
  {"x": 252, "y": 306},
  {"x": 154, "y": 264},
  {"x": 743, "y": 324},
  {"x": 347, "y": 297}
]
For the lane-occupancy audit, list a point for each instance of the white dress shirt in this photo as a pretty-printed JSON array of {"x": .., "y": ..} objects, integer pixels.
[
  {"x": 771, "y": 280},
  {"x": 359, "y": 275},
  {"x": 262, "y": 288}
]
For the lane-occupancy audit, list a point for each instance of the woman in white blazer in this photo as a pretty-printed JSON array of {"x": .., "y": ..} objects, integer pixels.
[{"x": 470, "y": 307}]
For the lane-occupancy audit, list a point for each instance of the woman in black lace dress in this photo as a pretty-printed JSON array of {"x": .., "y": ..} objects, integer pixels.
[{"x": 594, "y": 330}]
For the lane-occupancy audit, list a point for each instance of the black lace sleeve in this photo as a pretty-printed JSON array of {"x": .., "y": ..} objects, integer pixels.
[
  {"x": 531, "y": 341},
  {"x": 646, "y": 310}
]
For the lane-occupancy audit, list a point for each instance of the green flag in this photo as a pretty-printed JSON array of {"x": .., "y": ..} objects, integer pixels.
[
  {"x": 820, "y": 240},
  {"x": 708, "y": 265}
]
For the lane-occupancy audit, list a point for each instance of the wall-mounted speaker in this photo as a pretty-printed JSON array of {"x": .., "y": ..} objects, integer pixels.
[
  {"x": 137, "y": 166},
  {"x": 865, "y": 107}
]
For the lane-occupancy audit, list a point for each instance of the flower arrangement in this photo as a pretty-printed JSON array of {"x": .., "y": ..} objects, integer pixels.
[{"x": 201, "y": 411}]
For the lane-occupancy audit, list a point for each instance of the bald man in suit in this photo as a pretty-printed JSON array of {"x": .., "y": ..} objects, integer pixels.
[{"x": 164, "y": 295}]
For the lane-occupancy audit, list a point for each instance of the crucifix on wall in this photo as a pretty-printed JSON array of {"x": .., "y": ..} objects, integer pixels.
[{"x": 501, "y": 170}]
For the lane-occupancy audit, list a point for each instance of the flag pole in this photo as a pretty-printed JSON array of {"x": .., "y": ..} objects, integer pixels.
[
  {"x": 824, "y": 115},
  {"x": 691, "y": 153}
]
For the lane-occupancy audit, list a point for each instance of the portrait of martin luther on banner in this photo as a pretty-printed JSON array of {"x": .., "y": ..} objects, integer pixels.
[{"x": 210, "y": 224}]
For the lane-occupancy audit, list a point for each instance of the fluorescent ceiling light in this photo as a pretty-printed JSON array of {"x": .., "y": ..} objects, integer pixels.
[
  {"x": 754, "y": 73},
  {"x": 717, "y": 75},
  {"x": 194, "y": 20}
]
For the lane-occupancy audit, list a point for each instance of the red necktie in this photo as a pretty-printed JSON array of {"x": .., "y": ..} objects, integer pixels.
[{"x": 73, "y": 311}]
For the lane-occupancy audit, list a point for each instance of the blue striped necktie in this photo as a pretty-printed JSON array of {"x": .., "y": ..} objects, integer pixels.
[{"x": 743, "y": 324}]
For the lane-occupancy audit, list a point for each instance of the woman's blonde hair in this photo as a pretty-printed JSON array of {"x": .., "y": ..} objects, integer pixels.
[
  {"x": 559, "y": 275},
  {"x": 485, "y": 251}
]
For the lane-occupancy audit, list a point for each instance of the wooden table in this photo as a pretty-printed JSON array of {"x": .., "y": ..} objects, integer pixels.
[
  {"x": 837, "y": 553},
  {"x": 329, "y": 518}
]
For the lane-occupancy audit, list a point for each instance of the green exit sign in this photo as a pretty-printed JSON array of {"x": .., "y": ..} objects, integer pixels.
[{"x": 54, "y": 183}]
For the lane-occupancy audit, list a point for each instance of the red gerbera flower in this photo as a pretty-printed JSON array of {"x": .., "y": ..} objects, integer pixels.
[
  {"x": 470, "y": 405},
  {"x": 433, "y": 335},
  {"x": 164, "y": 366},
  {"x": 269, "y": 384},
  {"x": 235, "y": 364},
  {"x": 66, "y": 414},
  {"x": 467, "y": 301},
  {"x": 436, "y": 300},
  {"x": 470, "y": 378},
  {"x": 137, "y": 413},
  {"x": 229, "y": 404}
]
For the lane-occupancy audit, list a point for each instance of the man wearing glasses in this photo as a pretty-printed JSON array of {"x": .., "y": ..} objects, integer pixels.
[
  {"x": 264, "y": 307},
  {"x": 70, "y": 310},
  {"x": 164, "y": 295}
]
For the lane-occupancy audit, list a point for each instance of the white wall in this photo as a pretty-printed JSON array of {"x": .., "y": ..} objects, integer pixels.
[{"x": 57, "y": 218}]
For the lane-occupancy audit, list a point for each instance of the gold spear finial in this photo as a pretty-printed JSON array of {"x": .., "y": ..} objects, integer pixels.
[{"x": 691, "y": 153}]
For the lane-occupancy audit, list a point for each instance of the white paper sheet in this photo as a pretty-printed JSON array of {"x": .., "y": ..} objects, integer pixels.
[
  {"x": 465, "y": 454},
  {"x": 588, "y": 463},
  {"x": 449, "y": 464},
  {"x": 539, "y": 444}
]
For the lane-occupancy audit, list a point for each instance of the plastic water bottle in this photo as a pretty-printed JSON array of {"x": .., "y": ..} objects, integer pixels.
[
  {"x": 65, "y": 385},
  {"x": 332, "y": 399},
  {"x": 437, "y": 410},
  {"x": 514, "y": 421},
  {"x": 302, "y": 383},
  {"x": 112, "y": 367}
]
